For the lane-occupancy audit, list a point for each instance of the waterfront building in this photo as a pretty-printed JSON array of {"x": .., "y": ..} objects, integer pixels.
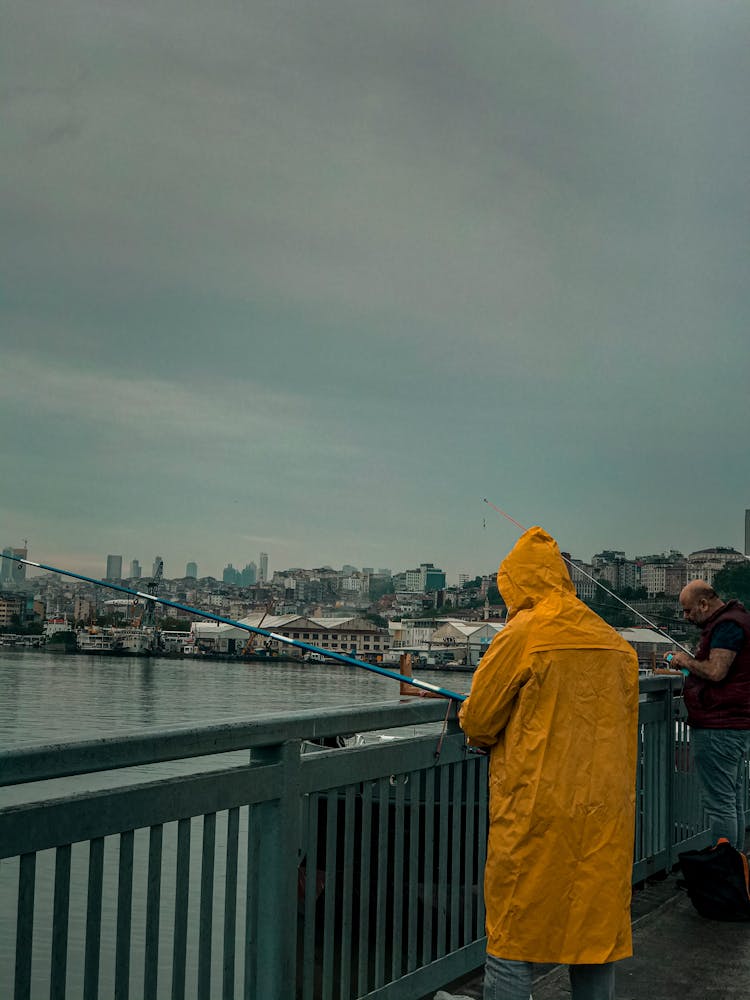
[
  {"x": 191, "y": 570},
  {"x": 11, "y": 606},
  {"x": 706, "y": 563},
  {"x": 580, "y": 573},
  {"x": 114, "y": 568},
  {"x": 355, "y": 582},
  {"x": 83, "y": 609},
  {"x": 431, "y": 577},
  {"x": 351, "y": 635},
  {"x": 664, "y": 576}
]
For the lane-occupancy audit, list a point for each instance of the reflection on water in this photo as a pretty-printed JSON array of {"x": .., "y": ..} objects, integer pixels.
[{"x": 53, "y": 698}]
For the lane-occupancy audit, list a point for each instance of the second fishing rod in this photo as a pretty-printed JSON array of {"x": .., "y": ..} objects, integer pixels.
[{"x": 574, "y": 567}]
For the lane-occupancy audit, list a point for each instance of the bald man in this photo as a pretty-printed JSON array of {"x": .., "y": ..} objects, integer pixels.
[{"x": 717, "y": 697}]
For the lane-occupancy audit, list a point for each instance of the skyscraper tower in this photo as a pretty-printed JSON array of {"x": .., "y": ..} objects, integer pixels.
[
  {"x": 158, "y": 561},
  {"x": 13, "y": 572},
  {"x": 135, "y": 570},
  {"x": 191, "y": 570},
  {"x": 114, "y": 568},
  {"x": 6, "y": 566},
  {"x": 263, "y": 574}
]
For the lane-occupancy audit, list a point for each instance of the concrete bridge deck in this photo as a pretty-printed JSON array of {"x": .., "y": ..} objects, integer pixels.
[{"x": 677, "y": 955}]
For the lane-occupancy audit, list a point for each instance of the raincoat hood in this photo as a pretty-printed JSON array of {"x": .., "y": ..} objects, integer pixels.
[{"x": 532, "y": 571}]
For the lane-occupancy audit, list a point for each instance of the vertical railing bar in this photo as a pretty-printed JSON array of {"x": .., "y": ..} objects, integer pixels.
[
  {"x": 153, "y": 914},
  {"x": 671, "y": 769},
  {"x": 24, "y": 926},
  {"x": 182, "y": 894},
  {"x": 347, "y": 896},
  {"x": 469, "y": 850},
  {"x": 415, "y": 805},
  {"x": 206, "y": 905},
  {"x": 430, "y": 778},
  {"x": 251, "y": 909},
  {"x": 456, "y": 850},
  {"x": 230, "y": 903},
  {"x": 93, "y": 919},
  {"x": 382, "y": 872},
  {"x": 483, "y": 819},
  {"x": 638, "y": 848},
  {"x": 124, "y": 916},
  {"x": 311, "y": 898},
  {"x": 398, "y": 880},
  {"x": 329, "y": 897},
  {"x": 647, "y": 819},
  {"x": 365, "y": 856},
  {"x": 653, "y": 777},
  {"x": 442, "y": 892},
  {"x": 60, "y": 916}
]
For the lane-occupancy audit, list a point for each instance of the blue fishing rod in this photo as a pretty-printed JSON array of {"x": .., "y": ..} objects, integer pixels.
[{"x": 327, "y": 653}]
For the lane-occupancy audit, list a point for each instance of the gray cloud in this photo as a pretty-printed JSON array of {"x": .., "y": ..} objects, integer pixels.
[{"x": 331, "y": 261}]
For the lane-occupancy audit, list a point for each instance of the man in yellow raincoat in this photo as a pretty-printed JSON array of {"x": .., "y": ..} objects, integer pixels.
[{"x": 555, "y": 698}]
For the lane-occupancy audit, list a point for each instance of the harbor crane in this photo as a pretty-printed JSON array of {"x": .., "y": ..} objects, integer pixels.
[{"x": 146, "y": 619}]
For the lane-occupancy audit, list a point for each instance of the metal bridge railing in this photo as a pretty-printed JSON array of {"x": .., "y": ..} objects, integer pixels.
[{"x": 204, "y": 871}]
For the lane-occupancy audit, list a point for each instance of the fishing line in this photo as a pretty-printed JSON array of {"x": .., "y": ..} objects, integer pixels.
[
  {"x": 328, "y": 653},
  {"x": 572, "y": 565}
]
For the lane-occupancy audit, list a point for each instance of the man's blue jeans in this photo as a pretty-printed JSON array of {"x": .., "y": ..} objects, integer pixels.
[
  {"x": 719, "y": 756},
  {"x": 505, "y": 979}
]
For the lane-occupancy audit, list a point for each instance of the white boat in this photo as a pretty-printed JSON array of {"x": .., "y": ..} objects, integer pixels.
[{"x": 102, "y": 642}]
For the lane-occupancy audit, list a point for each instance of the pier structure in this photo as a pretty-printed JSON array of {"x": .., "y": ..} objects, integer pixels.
[{"x": 290, "y": 857}]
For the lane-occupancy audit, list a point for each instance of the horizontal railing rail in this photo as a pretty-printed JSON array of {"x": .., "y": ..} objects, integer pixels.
[{"x": 271, "y": 870}]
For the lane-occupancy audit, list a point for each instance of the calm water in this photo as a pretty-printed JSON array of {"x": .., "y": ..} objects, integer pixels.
[{"x": 52, "y": 698}]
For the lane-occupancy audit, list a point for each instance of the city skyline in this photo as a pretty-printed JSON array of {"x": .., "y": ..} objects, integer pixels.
[
  {"x": 112, "y": 561},
  {"x": 314, "y": 281}
]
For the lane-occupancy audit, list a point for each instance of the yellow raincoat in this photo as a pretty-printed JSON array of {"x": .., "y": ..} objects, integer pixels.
[{"x": 555, "y": 697}]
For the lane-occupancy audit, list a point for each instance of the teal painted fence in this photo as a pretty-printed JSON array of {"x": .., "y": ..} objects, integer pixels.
[{"x": 244, "y": 860}]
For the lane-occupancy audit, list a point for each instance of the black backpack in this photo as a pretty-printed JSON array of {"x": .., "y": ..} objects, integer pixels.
[{"x": 717, "y": 880}]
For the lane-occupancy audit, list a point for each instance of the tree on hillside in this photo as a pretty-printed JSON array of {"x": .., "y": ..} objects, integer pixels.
[{"x": 734, "y": 581}]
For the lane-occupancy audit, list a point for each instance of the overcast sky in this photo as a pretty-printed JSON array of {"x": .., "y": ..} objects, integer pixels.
[{"x": 315, "y": 278}]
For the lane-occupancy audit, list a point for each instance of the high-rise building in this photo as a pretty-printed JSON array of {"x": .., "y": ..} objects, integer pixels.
[
  {"x": 263, "y": 575},
  {"x": 230, "y": 574},
  {"x": 10, "y": 571},
  {"x": 6, "y": 568},
  {"x": 155, "y": 568},
  {"x": 430, "y": 577},
  {"x": 135, "y": 570},
  {"x": 249, "y": 575},
  {"x": 747, "y": 532},
  {"x": 191, "y": 570},
  {"x": 114, "y": 568}
]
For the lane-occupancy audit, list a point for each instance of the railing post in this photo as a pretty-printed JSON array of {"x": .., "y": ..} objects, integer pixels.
[
  {"x": 671, "y": 744},
  {"x": 275, "y": 830}
]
